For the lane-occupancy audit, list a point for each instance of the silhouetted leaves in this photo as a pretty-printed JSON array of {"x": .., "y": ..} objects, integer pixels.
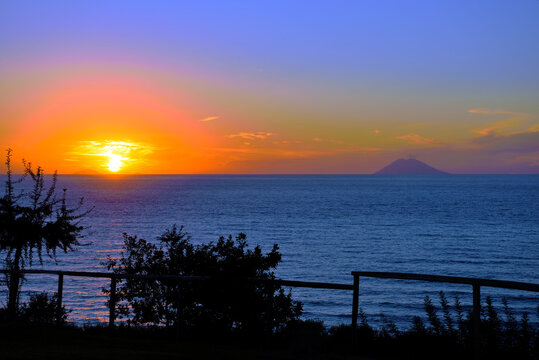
[
  {"x": 506, "y": 338},
  {"x": 434, "y": 321},
  {"x": 43, "y": 309},
  {"x": 226, "y": 301},
  {"x": 34, "y": 222}
]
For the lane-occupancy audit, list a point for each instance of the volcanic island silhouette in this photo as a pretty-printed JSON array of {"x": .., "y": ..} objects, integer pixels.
[{"x": 409, "y": 167}]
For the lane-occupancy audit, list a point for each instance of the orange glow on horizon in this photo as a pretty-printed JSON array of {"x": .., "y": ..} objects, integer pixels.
[
  {"x": 119, "y": 123},
  {"x": 113, "y": 124}
]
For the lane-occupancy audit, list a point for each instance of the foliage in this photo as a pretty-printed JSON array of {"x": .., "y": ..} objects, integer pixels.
[
  {"x": 502, "y": 337},
  {"x": 224, "y": 302},
  {"x": 43, "y": 309},
  {"x": 34, "y": 221}
]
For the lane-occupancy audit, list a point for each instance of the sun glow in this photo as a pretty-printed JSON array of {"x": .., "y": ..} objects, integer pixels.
[
  {"x": 117, "y": 153},
  {"x": 115, "y": 162},
  {"x": 114, "y": 156}
]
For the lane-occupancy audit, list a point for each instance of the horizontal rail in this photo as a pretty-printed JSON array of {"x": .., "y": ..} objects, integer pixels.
[
  {"x": 108, "y": 275},
  {"x": 517, "y": 285},
  {"x": 68, "y": 273},
  {"x": 307, "y": 284}
]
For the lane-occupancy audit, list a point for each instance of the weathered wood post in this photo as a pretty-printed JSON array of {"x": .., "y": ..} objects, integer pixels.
[
  {"x": 355, "y": 302},
  {"x": 476, "y": 321},
  {"x": 355, "y": 309},
  {"x": 59, "y": 296},
  {"x": 112, "y": 301}
]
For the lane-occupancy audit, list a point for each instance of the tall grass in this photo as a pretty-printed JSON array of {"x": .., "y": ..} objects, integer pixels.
[{"x": 446, "y": 332}]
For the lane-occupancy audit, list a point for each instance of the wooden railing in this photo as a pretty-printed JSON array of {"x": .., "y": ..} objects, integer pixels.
[
  {"x": 474, "y": 282},
  {"x": 115, "y": 277},
  {"x": 476, "y": 292}
]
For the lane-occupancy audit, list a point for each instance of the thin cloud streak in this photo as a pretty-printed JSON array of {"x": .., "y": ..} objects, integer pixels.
[
  {"x": 260, "y": 135},
  {"x": 486, "y": 131},
  {"x": 493, "y": 112},
  {"x": 514, "y": 121},
  {"x": 210, "y": 118},
  {"x": 415, "y": 139},
  {"x": 299, "y": 153}
]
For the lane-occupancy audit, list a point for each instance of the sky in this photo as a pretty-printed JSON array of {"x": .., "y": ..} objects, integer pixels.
[{"x": 257, "y": 87}]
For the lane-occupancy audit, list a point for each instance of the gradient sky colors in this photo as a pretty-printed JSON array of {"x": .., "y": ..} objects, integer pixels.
[{"x": 270, "y": 86}]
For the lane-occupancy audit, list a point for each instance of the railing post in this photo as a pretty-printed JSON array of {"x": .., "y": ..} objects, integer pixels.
[
  {"x": 112, "y": 301},
  {"x": 59, "y": 296},
  {"x": 476, "y": 321},
  {"x": 355, "y": 302}
]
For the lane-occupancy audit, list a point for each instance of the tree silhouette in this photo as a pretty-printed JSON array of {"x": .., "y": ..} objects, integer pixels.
[
  {"x": 34, "y": 221},
  {"x": 226, "y": 302}
]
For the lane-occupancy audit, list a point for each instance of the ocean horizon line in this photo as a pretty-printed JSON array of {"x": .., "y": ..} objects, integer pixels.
[{"x": 109, "y": 175}]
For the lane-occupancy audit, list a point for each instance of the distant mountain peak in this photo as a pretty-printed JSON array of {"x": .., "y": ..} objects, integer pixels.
[{"x": 410, "y": 166}]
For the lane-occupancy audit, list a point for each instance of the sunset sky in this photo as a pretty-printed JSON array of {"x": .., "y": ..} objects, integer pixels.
[{"x": 160, "y": 87}]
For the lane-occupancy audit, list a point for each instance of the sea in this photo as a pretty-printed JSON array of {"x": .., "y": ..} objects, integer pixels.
[{"x": 326, "y": 226}]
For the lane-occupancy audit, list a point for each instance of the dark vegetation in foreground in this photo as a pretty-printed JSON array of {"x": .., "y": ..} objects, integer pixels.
[
  {"x": 444, "y": 334},
  {"x": 226, "y": 302},
  {"x": 34, "y": 222},
  {"x": 229, "y": 307},
  {"x": 245, "y": 320}
]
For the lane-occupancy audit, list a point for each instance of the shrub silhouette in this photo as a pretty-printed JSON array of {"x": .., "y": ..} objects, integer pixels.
[
  {"x": 502, "y": 337},
  {"x": 34, "y": 221},
  {"x": 224, "y": 303},
  {"x": 43, "y": 309}
]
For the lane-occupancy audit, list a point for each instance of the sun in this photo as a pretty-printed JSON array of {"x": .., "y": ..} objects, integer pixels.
[
  {"x": 113, "y": 156},
  {"x": 115, "y": 162}
]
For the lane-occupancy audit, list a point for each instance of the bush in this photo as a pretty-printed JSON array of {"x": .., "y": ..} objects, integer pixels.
[
  {"x": 449, "y": 336},
  {"x": 43, "y": 309},
  {"x": 227, "y": 302}
]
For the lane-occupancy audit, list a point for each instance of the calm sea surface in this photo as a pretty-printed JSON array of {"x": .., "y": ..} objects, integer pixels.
[{"x": 326, "y": 227}]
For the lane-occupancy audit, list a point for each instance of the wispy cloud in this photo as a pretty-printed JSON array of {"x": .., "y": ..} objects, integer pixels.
[
  {"x": 210, "y": 118},
  {"x": 521, "y": 143},
  {"x": 415, "y": 139},
  {"x": 493, "y": 112},
  {"x": 127, "y": 150},
  {"x": 100, "y": 148},
  {"x": 513, "y": 121},
  {"x": 260, "y": 135},
  {"x": 487, "y": 130},
  {"x": 296, "y": 153}
]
